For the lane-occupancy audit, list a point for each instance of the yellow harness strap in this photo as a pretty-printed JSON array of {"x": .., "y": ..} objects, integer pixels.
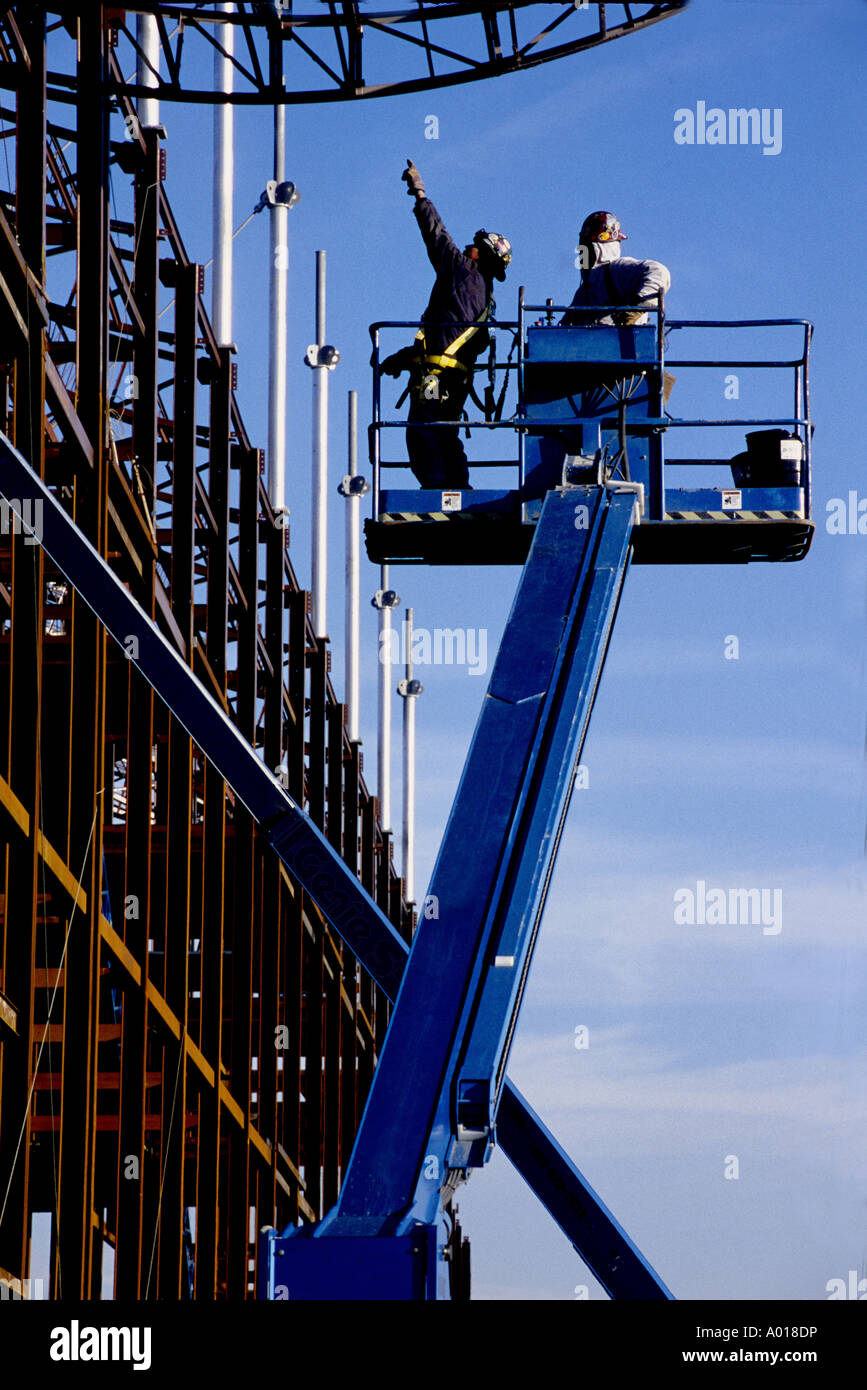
[{"x": 448, "y": 358}]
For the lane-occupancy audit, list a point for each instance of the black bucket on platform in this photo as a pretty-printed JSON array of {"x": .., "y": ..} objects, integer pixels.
[{"x": 762, "y": 465}]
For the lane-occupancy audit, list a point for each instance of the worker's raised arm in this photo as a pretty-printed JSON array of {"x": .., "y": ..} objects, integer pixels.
[{"x": 442, "y": 251}]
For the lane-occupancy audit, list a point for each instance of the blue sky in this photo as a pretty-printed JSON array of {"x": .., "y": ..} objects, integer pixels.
[{"x": 705, "y": 1041}]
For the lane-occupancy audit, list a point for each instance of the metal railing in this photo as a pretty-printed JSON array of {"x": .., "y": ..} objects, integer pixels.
[
  {"x": 657, "y": 424},
  {"x": 377, "y": 425},
  {"x": 800, "y": 421}
]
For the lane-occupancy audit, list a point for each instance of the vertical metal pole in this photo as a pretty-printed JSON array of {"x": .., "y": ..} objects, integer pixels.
[
  {"x": 383, "y": 747},
  {"x": 277, "y": 362},
  {"x": 410, "y": 690},
  {"x": 353, "y": 576},
  {"x": 147, "y": 67},
  {"x": 320, "y": 462},
  {"x": 224, "y": 178}
]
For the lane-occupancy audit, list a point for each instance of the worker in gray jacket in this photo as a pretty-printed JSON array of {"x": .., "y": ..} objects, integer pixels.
[{"x": 609, "y": 278}]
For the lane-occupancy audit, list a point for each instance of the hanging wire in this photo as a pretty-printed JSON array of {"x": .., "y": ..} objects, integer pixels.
[
  {"x": 181, "y": 1059},
  {"x": 240, "y": 229}
]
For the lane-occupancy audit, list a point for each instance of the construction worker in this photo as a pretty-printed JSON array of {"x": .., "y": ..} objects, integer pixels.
[
  {"x": 450, "y": 339},
  {"x": 609, "y": 278},
  {"x": 606, "y": 278}
]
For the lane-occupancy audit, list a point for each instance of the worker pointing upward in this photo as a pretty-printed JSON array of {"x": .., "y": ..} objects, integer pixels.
[
  {"x": 450, "y": 339},
  {"x": 609, "y": 278}
]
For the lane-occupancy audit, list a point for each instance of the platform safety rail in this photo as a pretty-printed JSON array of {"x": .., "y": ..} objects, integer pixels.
[{"x": 546, "y": 316}]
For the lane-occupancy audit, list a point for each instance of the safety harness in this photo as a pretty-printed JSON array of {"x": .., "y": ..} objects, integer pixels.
[
  {"x": 448, "y": 358},
  {"x": 428, "y": 366}
]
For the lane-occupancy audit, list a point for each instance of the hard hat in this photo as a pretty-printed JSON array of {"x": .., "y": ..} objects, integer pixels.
[
  {"x": 497, "y": 247},
  {"x": 601, "y": 226}
]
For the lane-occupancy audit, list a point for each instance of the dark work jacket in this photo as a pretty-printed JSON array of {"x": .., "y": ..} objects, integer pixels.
[{"x": 460, "y": 293}]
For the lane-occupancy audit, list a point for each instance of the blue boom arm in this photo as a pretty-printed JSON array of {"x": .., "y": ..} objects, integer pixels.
[
  {"x": 326, "y": 878},
  {"x": 431, "y": 1113}
]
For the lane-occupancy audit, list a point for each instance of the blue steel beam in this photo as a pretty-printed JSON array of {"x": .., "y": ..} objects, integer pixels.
[
  {"x": 306, "y": 853},
  {"x": 304, "y": 850},
  {"x": 580, "y": 1213},
  {"x": 541, "y": 807},
  {"x": 498, "y": 849}
]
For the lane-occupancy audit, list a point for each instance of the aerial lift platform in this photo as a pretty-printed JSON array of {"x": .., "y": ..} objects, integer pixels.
[
  {"x": 592, "y": 404},
  {"x": 440, "y": 1098}
]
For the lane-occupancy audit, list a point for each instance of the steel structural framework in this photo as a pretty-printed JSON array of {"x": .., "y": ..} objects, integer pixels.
[
  {"x": 153, "y": 949},
  {"x": 349, "y": 49}
]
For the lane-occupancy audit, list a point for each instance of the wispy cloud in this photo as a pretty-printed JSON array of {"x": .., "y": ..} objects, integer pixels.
[{"x": 623, "y": 1072}]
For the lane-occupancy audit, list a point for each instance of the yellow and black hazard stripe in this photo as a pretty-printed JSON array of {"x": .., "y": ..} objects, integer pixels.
[
  {"x": 669, "y": 516},
  {"x": 734, "y": 516},
  {"x": 438, "y": 516}
]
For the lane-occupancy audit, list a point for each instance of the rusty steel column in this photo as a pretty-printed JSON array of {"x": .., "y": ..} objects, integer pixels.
[
  {"x": 76, "y": 1270},
  {"x": 138, "y": 845},
  {"x": 23, "y": 756}
]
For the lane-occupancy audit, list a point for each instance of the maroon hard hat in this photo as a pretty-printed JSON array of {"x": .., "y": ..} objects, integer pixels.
[{"x": 601, "y": 226}]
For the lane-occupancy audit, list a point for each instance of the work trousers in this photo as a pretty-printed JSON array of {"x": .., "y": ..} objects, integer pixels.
[{"x": 437, "y": 456}]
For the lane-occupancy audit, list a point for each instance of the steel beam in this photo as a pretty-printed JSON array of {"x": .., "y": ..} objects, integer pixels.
[
  {"x": 582, "y": 1216},
  {"x": 302, "y": 847},
  {"x": 77, "y": 1269},
  {"x": 130, "y": 1243},
  {"x": 21, "y": 759},
  {"x": 341, "y": 52},
  {"x": 145, "y": 401}
]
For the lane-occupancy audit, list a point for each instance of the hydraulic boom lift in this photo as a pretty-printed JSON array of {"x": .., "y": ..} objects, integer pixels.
[
  {"x": 321, "y": 872},
  {"x": 440, "y": 1098}
]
